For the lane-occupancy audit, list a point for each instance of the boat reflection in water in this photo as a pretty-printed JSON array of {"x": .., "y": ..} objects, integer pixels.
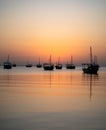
[
  {"x": 91, "y": 80},
  {"x": 52, "y": 100}
]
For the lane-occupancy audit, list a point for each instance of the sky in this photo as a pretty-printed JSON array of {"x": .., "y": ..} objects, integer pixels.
[{"x": 30, "y": 29}]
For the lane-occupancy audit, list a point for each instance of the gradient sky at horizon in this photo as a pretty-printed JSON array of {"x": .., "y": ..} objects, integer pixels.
[{"x": 37, "y": 28}]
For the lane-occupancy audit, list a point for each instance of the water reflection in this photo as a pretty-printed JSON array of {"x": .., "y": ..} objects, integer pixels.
[
  {"x": 68, "y": 83},
  {"x": 50, "y": 78},
  {"x": 91, "y": 80},
  {"x": 5, "y": 78},
  {"x": 52, "y": 100}
]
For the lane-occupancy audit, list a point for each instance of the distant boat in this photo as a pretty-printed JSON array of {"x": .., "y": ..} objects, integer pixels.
[
  {"x": 39, "y": 65},
  {"x": 28, "y": 65},
  {"x": 92, "y": 67},
  {"x": 7, "y": 64},
  {"x": 48, "y": 66},
  {"x": 58, "y": 65},
  {"x": 70, "y": 65},
  {"x": 14, "y": 65}
]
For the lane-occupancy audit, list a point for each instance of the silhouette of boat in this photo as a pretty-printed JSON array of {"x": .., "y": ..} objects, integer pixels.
[
  {"x": 14, "y": 65},
  {"x": 92, "y": 67},
  {"x": 28, "y": 65},
  {"x": 7, "y": 64},
  {"x": 58, "y": 65},
  {"x": 70, "y": 65},
  {"x": 48, "y": 66},
  {"x": 39, "y": 65}
]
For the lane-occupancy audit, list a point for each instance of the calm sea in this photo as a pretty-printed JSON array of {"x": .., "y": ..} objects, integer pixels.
[{"x": 34, "y": 99}]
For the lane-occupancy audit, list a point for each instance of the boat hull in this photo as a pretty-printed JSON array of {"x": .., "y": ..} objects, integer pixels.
[
  {"x": 28, "y": 66},
  {"x": 48, "y": 67},
  {"x": 39, "y": 66},
  {"x": 14, "y": 65},
  {"x": 7, "y": 65},
  {"x": 70, "y": 66},
  {"x": 91, "y": 69},
  {"x": 59, "y": 66}
]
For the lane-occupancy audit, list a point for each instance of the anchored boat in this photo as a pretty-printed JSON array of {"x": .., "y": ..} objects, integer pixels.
[
  {"x": 39, "y": 65},
  {"x": 58, "y": 65},
  {"x": 92, "y": 67},
  {"x": 48, "y": 66},
  {"x": 70, "y": 65},
  {"x": 7, "y": 64}
]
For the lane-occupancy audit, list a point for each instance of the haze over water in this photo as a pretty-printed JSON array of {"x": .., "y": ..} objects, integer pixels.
[{"x": 34, "y": 99}]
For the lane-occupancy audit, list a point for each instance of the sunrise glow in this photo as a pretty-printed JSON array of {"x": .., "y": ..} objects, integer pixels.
[{"x": 38, "y": 28}]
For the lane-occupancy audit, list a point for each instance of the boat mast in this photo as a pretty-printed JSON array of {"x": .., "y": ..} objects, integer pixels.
[
  {"x": 50, "y": 59},
  {"x": 59, "y": 60},
  {"x": 90, "y": 54},
  {"x": 71, "y": 60},
  {"x": 39, "y": 60},
  {"x": 8, "y": 59},
  {"x": 95, "y": 59}
]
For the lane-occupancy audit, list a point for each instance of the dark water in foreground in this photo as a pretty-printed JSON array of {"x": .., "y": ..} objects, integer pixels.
[{"x": 33, "y": 99}]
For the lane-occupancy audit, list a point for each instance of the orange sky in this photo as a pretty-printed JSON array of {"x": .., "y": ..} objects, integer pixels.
[{"x": 32, "y": 29}]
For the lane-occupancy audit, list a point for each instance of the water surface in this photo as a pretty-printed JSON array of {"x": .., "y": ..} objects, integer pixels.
[{"x": 34, "y": 99}]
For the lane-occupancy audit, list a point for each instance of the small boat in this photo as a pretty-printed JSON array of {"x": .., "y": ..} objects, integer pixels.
[
  {"x": 28, "y": 65},
  {"x": 39, "y": 65},
  {"x": 48, "y": 66},
  {"x": 58, "y": 65},
  {"x": 14, "y": 65},
  {"x": 92, "y": 67},
  {"x": 7, "y": 64},
  {"x": 70, "y": 65}
]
